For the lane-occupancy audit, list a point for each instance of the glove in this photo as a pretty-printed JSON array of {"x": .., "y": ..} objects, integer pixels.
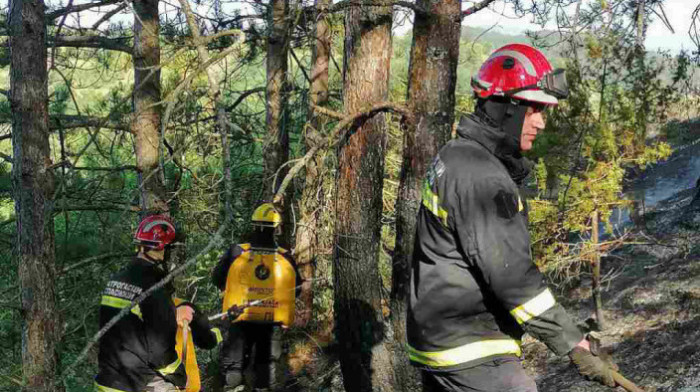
[
  {"x": 592, "y": 367},
  {"x": 234, "y": 312}
]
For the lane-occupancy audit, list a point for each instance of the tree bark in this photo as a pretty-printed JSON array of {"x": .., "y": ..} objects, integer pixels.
[
  {"x": 147, "y": 111},
  {"x": 33, "y": 188},
  {"x": 360, "y": 326},
  {"x": 431, "y": 98},
  {"x": 306, "y": 247},
  {"x": 276, "y": 147}
]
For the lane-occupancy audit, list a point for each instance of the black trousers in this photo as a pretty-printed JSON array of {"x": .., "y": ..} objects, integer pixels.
[
  {"x": 500, "y": 375},
  {"x": 263, "y": 342}
]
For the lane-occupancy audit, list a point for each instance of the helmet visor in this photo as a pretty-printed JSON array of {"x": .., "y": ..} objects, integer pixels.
[{"x": 554, "y": 83}]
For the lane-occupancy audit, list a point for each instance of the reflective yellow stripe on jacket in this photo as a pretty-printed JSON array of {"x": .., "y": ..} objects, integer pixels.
[
  {"x": 467, "y": 353},
  {"x": 431, "y": 201},
  {"x": 534, "y": 307},
  {"x": 170, "y": 369},
  {"x": 219, "y": 337},
  {"x": 120, "y": 303}
]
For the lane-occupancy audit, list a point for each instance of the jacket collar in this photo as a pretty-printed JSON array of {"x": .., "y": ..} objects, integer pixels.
[
  {"x": 472, "y": 127},
  {"x": 497, "y": 143}
]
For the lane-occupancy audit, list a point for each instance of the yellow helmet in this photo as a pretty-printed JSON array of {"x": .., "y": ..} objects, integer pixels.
[{"x": 266, "y": 215}]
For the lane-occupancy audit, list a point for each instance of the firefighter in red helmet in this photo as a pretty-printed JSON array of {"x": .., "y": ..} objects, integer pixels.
[
  {"x": 474, "y": 287},
  {"x": 138, "y": 353}
]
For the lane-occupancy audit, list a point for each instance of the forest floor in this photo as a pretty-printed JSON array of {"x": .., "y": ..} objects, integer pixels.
[{"x": 652, "y": 308}]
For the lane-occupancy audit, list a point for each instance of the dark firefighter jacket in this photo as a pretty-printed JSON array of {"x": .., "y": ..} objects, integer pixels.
[
  {"x": 142, "y": 344},
  {"x": 474, "y": 287},
  {"x": 220, "y": 272}
]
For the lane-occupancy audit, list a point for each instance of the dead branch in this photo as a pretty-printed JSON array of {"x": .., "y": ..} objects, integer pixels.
[
  {"x": 338, "y": 134},
  {"x": 63, "y": 121},
  {"x": 342, "y": 5},
  {"x": 107, "y": 169},
  {"x": 108, "y": 15},
  {"x": 328, "y": 112},
  {"x": 476, "y": 8},
  {"x": 92, "y": 41},
  {"x": 93, "y": 259},
  {"x": 51, "y": 16}
]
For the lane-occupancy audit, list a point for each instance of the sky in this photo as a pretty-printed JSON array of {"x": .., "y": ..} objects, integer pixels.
[
  {"x": 658, "y": 35},
  {"x": 500, "y": 16}
]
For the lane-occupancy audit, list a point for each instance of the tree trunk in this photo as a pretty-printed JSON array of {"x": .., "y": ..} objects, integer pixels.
[
  {"x": 431, "y": 97},
  {"x": 276, "y": 147},
  {"x": 33, "y": 188},
  {"x": 360, "y": 326},
  {"x": 147, "y": 112},
  {"x": 306, "y": 239}
]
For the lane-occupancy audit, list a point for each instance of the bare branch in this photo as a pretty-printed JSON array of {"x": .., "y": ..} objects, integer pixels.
[
  {"x": 476, "y": 8},
  {"x": 342, "y": 5},
  {"x": 3, "y": 137},
  {"x": 63, "y": 121},
  {"x": 108, "y": 15},
  {"x": 93, "y": 259},
  {"x": 107, "y": 169},
  {"x": 350, "y": 122},
  {"x": 328, "y": 112},
  {"x": 51, "y": 16},
  {"x": 6, "y": 157},
  {"x": 93, "y": 41},
  {"x": 4, "y": 92}
]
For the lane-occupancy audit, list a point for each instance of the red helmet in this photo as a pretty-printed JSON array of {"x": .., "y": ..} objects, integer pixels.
[
  {"x": 521, "y": 72},
  {"x": 155, "y": 231}
]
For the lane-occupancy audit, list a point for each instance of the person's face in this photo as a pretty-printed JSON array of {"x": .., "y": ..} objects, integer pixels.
[{"x": 534, "y": 122}]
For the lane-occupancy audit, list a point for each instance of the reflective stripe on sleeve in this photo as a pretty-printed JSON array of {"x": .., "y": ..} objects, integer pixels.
[
  {"x": 431, "y": 201},
  {"x": 170, "y": 369},
  {"x": 467, "y": 353},
  {"x": 120, "y": 303},
  {"x": 102, "y": 388},
  {"x": 534, "y": 307},
  {"x": 217, "y": 332}
]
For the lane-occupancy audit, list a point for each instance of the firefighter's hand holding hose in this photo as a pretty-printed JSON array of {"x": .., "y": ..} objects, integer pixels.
[
  {"x": 234, "y": 312},
  {"x": 185, "y": 313},
  {"x": 591, "y": 365}
]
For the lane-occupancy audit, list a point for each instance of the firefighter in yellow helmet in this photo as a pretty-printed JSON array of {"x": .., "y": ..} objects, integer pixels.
[{"x": 260, "y": 282}]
